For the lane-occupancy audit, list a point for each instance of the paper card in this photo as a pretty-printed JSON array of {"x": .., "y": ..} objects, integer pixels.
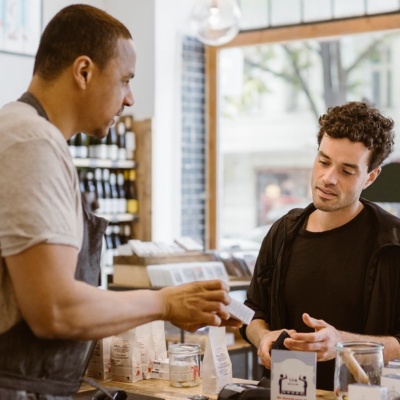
[
  {"x": 390, "y": 370},
  {"x": 293, "y": 375},
  {"x": 394, "y": 361},
  {"x": 392, "y": 382},
  {"x": 240, "y": 311},
  {"x": 358, "y": 391}
]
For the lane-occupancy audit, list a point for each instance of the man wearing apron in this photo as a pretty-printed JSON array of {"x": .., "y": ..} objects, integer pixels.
[{"x": 50, "y": 307}]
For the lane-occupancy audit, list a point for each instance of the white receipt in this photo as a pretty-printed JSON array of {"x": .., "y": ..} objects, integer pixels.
[{"x": 240, "y": 311}]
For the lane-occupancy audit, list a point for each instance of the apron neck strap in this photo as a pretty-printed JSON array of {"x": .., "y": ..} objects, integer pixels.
[{"x": 30, "y": 99}]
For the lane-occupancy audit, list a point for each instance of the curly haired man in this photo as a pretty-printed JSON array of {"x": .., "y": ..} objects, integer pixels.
[{"x": 331, "y": 272}]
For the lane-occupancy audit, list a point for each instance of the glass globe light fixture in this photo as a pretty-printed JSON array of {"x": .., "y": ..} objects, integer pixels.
[{"x": 215, "y": 22}]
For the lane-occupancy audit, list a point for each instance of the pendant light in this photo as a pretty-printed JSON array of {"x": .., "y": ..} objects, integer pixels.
[{"x": 215, "y": 22}]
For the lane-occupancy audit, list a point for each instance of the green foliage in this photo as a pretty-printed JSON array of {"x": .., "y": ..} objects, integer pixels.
[{"x": 295, "y": 62}]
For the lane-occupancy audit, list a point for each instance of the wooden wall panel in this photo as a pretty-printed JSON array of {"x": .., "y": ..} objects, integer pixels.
[{"x": 143, "y": 130}]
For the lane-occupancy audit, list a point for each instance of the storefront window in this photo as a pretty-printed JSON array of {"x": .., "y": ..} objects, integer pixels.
[{"x": 270, "y": 98}]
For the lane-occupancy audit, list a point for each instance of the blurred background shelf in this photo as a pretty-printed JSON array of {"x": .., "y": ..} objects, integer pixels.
[{"x": 99, "y": 163}]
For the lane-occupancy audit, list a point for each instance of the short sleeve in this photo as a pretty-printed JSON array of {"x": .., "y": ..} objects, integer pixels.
[{"x": 39, "y": 197}]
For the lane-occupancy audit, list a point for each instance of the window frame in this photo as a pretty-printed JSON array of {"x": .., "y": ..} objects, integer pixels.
[{"x": 334, "y": 28}]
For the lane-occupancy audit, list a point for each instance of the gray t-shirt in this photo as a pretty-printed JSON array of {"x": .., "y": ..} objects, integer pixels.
[{"x": 39, "y": 193}]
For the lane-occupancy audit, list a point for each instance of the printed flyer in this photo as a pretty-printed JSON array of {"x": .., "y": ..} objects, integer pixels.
[{"x": 293, "y": 375}]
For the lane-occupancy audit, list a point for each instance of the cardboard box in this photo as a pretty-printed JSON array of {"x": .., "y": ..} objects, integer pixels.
[{"x": 130, "y": 271}]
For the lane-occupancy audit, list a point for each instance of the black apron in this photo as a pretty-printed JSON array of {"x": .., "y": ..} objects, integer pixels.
[{"x": 33, "y": 368}]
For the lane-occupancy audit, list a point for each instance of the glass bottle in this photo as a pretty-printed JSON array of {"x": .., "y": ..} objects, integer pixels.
[{"x": 132, "y": 205}]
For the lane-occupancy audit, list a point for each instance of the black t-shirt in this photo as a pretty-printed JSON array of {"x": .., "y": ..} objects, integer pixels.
[{"x": 326, "y": 278}]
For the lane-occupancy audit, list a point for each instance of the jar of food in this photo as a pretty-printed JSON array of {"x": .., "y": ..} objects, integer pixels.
[
  {"x": 357, "y": 362},
  {"x": 184, "y": 364}
]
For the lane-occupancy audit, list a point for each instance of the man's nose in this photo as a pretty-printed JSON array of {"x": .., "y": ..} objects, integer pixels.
[
  {"x": 129, "y": 99},
  {"x": 330, "y": 176}
]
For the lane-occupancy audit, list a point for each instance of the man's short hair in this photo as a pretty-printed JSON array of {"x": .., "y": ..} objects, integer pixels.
[{"x": 74, "y": 31}]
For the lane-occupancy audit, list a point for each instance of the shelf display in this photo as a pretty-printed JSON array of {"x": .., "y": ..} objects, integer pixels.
[{"x": 108, "y": 171}]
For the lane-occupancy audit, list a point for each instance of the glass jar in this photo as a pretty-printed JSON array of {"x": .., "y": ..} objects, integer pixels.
[
  {"x": 184, "y": 364},
  {"x": 357, "y": 362}
]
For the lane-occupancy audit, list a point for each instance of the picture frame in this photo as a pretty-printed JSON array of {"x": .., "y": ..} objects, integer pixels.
[{"x": 20, "y": 26}]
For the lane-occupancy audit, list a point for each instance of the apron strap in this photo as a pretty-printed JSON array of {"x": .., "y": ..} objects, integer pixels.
[{"x": 29, "y": 98}]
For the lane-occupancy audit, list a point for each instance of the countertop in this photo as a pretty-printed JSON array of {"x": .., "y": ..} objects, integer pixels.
[{"x": 161, "y": 388}]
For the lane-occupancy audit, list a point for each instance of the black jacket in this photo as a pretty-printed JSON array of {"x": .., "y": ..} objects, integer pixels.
[{"x": 381, "y": 315}]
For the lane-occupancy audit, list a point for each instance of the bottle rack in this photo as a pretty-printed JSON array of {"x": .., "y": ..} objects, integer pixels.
[
  {"x": 139, "y": 222},
  {"x": 93, "y": 164}
]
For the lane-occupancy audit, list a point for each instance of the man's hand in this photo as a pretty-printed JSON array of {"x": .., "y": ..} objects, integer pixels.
[
  {"x": 194, "y": 305},
  {"x": 322, "y": 341},
  {"x": 266, "y": 342}
]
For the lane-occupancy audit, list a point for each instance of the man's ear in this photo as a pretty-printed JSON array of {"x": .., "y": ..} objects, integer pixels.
[
  {"x": 82, "y": 70},
  {"x": 372, "y": 176}
]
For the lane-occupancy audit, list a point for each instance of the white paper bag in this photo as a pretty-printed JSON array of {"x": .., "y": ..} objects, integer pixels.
[
  {"x": 100, "y": 362},
  {"x": 126, "y": 359},
  {"x": 145, "y": 339},
  {"x": 159, "y": 342},
  {"x": 217, "y": 366}
]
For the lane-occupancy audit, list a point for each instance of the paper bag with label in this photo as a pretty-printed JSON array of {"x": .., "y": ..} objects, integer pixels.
[
  {"x": 159, "y": 342},
  {"x": 217, "y": 366},
  {"x": 126, "y": 359},
  {"x": 100, "y": 361},
  {"x": 151, "y": 340},
  {"x": 144, "y": 338}
]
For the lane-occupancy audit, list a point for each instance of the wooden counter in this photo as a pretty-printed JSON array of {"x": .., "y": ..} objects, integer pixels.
[{"x": 162, "y": 389}]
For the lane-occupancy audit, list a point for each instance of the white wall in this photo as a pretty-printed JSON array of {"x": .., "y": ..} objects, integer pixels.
[
  {"x": 156, "y": 26},
  {"x": 138, "y": 16},
  {"x": 15, "y": 70},
  {"x": 15, "y": 74},
  {"x": 170, "y": 22}
]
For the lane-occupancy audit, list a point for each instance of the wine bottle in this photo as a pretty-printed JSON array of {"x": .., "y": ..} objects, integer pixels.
[
  {"x": 107, "y": 191},
  {"x": 126, "y": 233},
  {"x": 112, "y": 144},
  {"x": 121, "y": 193},
  {"x": 121, "y": 141},
  {"x": 114, "y": 193},
  {"x": 78, "y": 145},
  {"x": 98, "y": 176},
  {"x": 72, "y": 147},
  {"x": 82, "y": 180},
  {"x": 108, "y": 237},
  {"x": 108, "y": 253},
  {"x": 130, "y": 140},
  {"x": 90, "y": 192},
  {"x": 81, "y": 145},
  {"x": 102, "y": 148},
  {"x": 116, "y": 237},
  {"x": 92, "y": 146},
  {"x": 132, "y": 206}
]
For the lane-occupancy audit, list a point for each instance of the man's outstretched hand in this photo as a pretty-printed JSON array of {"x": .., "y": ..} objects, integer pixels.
[{"x": 198, "y": 304}]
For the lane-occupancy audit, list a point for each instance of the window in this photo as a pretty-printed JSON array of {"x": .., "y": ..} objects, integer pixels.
[{"x": 265, "y": 117}]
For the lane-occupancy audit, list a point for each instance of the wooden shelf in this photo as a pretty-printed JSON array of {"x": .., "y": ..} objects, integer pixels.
[
  {"x": 116, "y": 218},
  {"x": 100, "y": 163},
  {"x": 239, "y": 284},
  {"x": 119, "y": 287}
]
